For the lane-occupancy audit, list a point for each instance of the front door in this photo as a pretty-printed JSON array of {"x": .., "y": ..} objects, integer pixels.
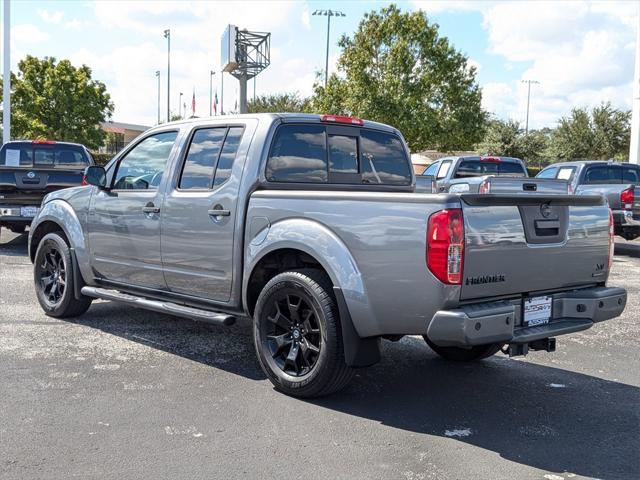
[
  {"x": 199, "y": 215},
  {"x": 124, "y": 221}
]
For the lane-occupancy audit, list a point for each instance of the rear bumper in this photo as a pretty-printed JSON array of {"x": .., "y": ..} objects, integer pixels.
[
  {"x": 11, "y": 214},
  {"x": 501, "y": 322},
  {"x": 625, "y": 218}
]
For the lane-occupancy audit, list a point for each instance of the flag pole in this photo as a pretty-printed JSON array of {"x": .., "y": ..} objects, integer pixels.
[{"x": 634, "y": 150}]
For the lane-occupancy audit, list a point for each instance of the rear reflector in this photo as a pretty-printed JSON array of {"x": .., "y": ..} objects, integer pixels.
[
  {"x": 342, "y": 119},
  {"x": 626, "y": 198},
  {"x": 445, "y": 245},
  {"x": 612, "y": 241}
]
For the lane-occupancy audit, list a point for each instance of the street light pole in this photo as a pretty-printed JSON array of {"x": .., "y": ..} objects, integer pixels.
[
  {"x": 167, "y": 35},
  {"x": 221, "y": 92},
  {"x": 158, "y": 77},
  {"x": 328, "y": 14},
  {"x": 6, "y": 85},
  {"x": 180, "y": 106},
  {"x": 528, "y": 82},
  {"x": 211, "y": 74}
]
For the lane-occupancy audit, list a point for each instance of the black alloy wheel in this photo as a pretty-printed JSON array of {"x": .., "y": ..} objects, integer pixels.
[{"x": 293, "y": 333}]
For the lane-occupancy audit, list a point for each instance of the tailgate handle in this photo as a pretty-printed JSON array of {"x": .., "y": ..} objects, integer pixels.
[
  {"x": 547, "y": 225},
  {"x": 529, "y": 187}
]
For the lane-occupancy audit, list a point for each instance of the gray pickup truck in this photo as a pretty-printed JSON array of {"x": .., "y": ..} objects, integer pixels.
[
  {"x": 619, "y": 183},
  {"x": 310, "y": 226},
  {"x": 485, "y": 175}
]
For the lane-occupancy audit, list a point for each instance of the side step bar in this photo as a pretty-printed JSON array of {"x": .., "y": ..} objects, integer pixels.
[{"x": 160, "y": 306}]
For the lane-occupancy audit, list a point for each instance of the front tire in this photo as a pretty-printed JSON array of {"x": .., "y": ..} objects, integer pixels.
[
  {"x": 298, "y": 337},
  {"x": 459, "y": 354},
  {"x": 53, "y": 278}
]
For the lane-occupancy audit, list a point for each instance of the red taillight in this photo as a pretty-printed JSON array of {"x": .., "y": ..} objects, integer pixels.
[
  {"x": 485, "y": 186},
  {"x": 43, "y": 142},
  {"x": 445, "y": 245},
  {"x": 342, "y": 119},
  {"x": 612, "y": 242},
  {"x": 84, "y": 181},
  {"x": 626, "y": 198}
]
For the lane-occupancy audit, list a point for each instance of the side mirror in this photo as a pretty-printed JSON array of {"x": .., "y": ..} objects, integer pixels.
[{"x": 95, "y": 175}]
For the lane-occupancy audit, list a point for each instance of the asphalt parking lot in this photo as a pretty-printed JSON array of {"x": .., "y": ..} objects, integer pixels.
[{"x": 124, "y": 393}]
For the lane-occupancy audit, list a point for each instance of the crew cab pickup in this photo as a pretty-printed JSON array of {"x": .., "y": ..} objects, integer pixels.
[
  {"x": 485, "y": 175},
  {"x": 619, "y": 183},
  {"x": 309, "y": 225},
  {"x": 30, "y": 170}
]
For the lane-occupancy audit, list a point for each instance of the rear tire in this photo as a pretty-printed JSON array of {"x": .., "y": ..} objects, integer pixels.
[
  {"x": 298, "y": 337},
  {"x": 53, "y": 279},
  {"x": 459, "y": 354}
]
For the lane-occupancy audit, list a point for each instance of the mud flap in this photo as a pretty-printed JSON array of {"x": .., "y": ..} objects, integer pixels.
[{"x": 358, "y": 352}]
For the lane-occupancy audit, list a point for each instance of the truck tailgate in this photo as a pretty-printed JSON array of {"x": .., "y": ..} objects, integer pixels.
[
  {"x": 527, "y": 185},
  {"x": 531, "y": 243},
  {"x": 26, "y": 186}
]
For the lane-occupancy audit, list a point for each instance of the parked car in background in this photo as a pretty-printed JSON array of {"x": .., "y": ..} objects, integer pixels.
[
  {"x": 618, "y": 182},
  {"x": 310, "y": 226},
  {"x": 31, "y": 169},
  {"x": 487, "y": 175}
]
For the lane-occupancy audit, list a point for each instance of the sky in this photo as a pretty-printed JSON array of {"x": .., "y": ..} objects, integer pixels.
[{"x": 581, "y": 53}]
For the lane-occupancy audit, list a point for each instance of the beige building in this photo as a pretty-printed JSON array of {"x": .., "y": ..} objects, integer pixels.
[{"x": 121, "y": 134}]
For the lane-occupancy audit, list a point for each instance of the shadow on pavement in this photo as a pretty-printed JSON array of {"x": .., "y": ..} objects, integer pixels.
[
  {"x": 544, "y": 417},
  {"x": 13, "y": 245},
  {"x": 629, "y": 249}
]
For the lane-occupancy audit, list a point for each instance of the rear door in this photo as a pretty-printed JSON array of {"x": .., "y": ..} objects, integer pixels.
[
  {"x": 525, "y": 243},
  {"x": 199, "y": 213}
]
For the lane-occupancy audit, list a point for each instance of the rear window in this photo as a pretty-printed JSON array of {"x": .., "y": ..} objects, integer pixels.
[
  {"x": 548, "y": 173},
  {"x": 612, "y": 174},
  {"x": 476, "y": 168},
  {"x": 46, "y": 156},
  {"x": 328, "y": 154}
]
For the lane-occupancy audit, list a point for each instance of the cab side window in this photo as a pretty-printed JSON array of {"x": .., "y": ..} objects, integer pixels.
[
  {"x": 142, "y": 167},
  {"x": 431, "y": 169},
  {"x": 444, "y": 169}
]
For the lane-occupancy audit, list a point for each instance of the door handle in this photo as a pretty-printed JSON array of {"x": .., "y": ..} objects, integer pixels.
[
  {"x": 218, "y": 212},
  {"x": 150, "y": 208}
]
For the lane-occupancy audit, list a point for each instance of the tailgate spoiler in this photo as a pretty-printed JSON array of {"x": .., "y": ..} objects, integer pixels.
[{"x": 505, "y": 199}]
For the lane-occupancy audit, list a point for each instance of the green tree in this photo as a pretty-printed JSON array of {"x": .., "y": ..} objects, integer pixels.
[
  {"x": 601, "y": 134},
  {"x": 397, "y": 69},
  {"x": 507, "y": 138},
  {"x": 280, "y": 102},
  {"x": 58, "y": 101}
]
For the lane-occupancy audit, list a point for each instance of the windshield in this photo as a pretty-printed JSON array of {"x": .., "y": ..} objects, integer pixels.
[{"x": 30, "y": 155}]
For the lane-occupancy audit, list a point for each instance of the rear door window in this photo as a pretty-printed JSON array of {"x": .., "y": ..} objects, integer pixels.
[
  {"x": 431, "y": 169},
  {"x": 298, "y": 154},
  {"x": 228, "y": 155},
  {"x": 202, "y": 157},
  {"x": 444, "y": 169},
  {"x": 565, "y": 173}
]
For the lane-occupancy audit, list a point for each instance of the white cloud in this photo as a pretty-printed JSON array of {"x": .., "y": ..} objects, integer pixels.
[
  {"x": 50, "y": 17},
  {"x": 306, "y": 19},
  {"x": 27, "y": 33}
]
